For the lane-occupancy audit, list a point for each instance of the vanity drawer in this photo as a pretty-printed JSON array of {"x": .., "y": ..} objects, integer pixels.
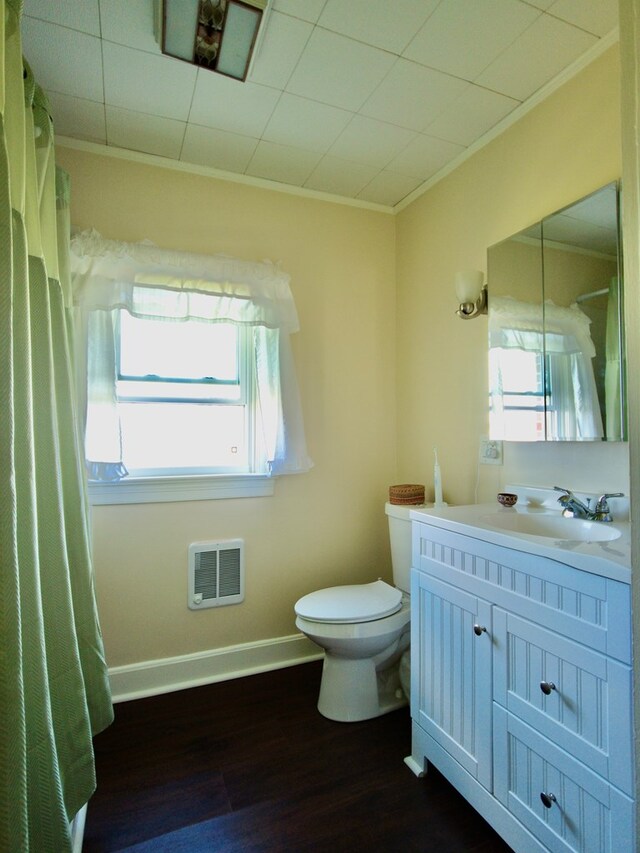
[
  {"x": 588, "y": 709},
  {"x": 588, "y": 608},
  {"x": 585, "y": 813}
]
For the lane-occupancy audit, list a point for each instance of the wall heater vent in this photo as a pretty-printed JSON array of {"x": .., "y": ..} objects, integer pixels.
[{"x": 216, "y": 573}]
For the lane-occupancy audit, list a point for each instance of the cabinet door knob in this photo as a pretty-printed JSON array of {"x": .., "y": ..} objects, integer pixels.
[
  {"x": 547, "y": 799},
  {"x": 479, "y": 630},
  {"x": 547, "y": 687}
]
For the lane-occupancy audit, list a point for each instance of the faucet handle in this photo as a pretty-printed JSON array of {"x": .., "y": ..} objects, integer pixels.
[
  {"x": 602, "y": 511},
  {"x": 564, "y": 498},
  {"x": 602, "y": 500}
]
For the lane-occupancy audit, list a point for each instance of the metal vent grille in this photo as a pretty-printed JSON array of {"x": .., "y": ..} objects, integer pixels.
[{"x": 216, "y": 573}]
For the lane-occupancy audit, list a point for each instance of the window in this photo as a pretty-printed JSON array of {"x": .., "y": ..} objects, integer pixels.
[
  {"x": 194, "y": 379},
  {"x": 521, "y": 399},
  {"x": 188, "y": 370}
]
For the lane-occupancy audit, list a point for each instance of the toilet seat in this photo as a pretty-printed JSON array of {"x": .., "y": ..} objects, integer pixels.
[{"x": 351, "y": 603}]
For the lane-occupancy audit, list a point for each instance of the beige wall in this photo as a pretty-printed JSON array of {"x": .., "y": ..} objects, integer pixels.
[
  {"x": 563, "y": 149},
  {"x": 515, "y": 269},
  {"x": 321, "y": 528}
]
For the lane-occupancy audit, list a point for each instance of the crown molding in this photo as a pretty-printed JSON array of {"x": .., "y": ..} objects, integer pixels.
[{"x": 218, "y": 174}]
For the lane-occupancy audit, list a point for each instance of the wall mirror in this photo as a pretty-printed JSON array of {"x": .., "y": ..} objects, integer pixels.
[{"x": 556, "y": 337}]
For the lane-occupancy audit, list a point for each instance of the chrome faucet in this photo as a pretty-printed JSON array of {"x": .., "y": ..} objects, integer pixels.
[{"x": 573, "y": 507}]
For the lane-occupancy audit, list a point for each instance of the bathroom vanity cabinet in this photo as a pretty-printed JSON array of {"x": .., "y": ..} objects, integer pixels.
[{"x": 521, "y": 690}]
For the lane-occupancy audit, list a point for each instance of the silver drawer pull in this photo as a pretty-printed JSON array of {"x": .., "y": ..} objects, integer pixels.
[
  {"x": 547, "y": 799},
  {"x": 479, "y": 630},
  {"x": 547, "y": 687}
]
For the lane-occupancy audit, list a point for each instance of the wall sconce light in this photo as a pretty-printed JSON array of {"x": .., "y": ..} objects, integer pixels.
[
  {"x": 216, "y": 34},
  {"x": 472, "y": 294}
]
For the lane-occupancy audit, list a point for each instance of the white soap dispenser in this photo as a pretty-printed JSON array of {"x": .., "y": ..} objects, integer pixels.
[{"x": 438, "y": 503}]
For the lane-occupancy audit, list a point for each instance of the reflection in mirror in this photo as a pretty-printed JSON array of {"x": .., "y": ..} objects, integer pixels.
[{"x": 555, "y": 331}]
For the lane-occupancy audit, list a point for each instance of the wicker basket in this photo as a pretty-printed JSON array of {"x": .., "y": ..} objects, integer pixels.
[{"x": 409, "y": 494}]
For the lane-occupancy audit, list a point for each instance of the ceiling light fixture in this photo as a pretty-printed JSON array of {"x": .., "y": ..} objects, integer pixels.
[{"x": 216, "y": 34}]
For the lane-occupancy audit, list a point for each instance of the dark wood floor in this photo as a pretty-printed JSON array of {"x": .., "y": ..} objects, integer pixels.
[{"x": 250, "y": 765}]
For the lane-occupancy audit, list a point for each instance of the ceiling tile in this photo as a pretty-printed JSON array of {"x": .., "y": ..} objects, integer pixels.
[
  {"x": 308, "y": 10},
  {"x": 140, "y": 132},
  {"x": 370, "y": 141},
  {"x": 423, "y": 157},
  {"x": 63, "y": 60},
  {"x": 217, "y": 149},
  {"x": 541, "y": 52},
  {"x": 156, "y": 85},
  {"x": 566, "y": 229},
  {"x": 412, "y": 96},
  {"x": 129, "y": 23},
  {"x": 305, "y": 124},
  {"x": 341, "y": 177},
  {"x": 79, "y": 15},
  {"x": 598, "y": 18},
  {"x": 77, "y": 118},
  {"x": 338, "y": 71},
  {"x": 283, "y": 42},
  {"x": 462, "y": 38},
  {"x": 350, "y": 106},
  {"x": 389, "y": 188},
  {"x": 471, "y": 115},
  {"x": 373, "y": 22},
  {"x": 227, "y": 104},
  {"x": 282, "y": 163}
]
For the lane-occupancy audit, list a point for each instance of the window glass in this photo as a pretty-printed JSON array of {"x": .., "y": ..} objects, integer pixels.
[
  {"x": 189, "y": 349},
  {"x": 183, "y": 393},
  {"x": 522, "y": 397}
]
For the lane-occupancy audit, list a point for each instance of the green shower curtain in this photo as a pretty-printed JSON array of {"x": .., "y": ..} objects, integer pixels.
[{"x": 54, "y": 691}]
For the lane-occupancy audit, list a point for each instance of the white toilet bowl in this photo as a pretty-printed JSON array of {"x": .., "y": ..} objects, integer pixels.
[{"x": 364, "y": 629}]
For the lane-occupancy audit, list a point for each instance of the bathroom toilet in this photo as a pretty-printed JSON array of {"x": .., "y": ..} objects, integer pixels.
[{"x": 364, "y": 630}]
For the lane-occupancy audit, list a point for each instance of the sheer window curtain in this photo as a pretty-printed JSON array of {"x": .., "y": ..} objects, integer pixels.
[
  {"x": 54, "y": 691},
  {"x": 563, "y": 336},
  {"x": 161, "y": 284}
]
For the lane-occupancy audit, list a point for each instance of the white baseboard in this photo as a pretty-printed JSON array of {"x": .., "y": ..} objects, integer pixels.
[{"x": 150, "y": 678}]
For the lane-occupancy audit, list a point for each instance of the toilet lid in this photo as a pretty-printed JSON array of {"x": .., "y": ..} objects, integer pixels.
[{"x": 355, "y": 603}]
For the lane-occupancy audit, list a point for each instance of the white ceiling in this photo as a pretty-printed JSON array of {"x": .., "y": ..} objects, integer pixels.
[{"x": 363, "y": 99}]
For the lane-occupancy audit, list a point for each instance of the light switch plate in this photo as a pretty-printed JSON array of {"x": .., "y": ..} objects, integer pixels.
[{"x": 490, "y": 452}]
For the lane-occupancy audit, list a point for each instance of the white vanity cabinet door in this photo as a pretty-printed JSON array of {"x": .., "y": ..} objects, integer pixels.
[
  {"x": 583, "y": 813},
  {"x": 587, "y": 711},
  {"x": 451, "y": 650}
]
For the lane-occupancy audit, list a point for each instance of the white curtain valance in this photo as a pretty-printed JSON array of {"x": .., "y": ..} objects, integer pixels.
[
  {"x": 109, "y": 274},
  {"x": 520, "y": 325}
]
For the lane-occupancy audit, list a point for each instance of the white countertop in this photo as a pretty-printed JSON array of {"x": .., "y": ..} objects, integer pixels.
[{"x": 611, "y": 559}]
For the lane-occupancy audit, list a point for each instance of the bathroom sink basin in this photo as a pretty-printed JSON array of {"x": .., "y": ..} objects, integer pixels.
[{"x": 555, "y": 527}]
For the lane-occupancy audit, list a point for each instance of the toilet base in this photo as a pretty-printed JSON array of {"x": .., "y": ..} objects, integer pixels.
[{"x": 352, "y": 690}]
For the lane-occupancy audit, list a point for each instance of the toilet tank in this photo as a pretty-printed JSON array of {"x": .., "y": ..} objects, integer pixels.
[{"x": 400, "y": 538}]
